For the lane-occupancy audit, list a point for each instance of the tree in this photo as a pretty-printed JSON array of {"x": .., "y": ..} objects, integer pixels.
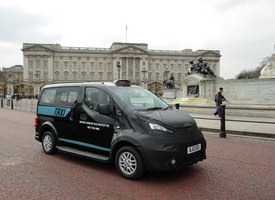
[{"x": 252, "y": 73}]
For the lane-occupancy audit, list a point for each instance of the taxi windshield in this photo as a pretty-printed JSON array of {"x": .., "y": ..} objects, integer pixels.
[{"x": 140, "y": 99}]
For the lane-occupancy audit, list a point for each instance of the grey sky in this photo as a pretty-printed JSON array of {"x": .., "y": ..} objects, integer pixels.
[{"x": 243, "y": 30}]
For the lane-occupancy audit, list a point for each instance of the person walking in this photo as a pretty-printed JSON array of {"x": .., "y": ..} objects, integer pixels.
[
  {"x": 219, "y": 100},
  {"x": 17, "y": 100},
  {"x": 223, "y": 99},
  {"x": 8, "y": 97}
]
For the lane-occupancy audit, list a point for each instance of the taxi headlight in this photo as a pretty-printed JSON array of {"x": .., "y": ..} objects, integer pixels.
[{"x": 160, "y": 128}]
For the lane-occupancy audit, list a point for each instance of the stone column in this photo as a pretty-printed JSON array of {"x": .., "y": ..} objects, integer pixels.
[
  {"x": 10, "y": 87},
  {"x": 127, "y": 69},
  {"x": 115, "y": 75},
  {"x": 50, "y": 68},
  {"x": 36, "y": 88},
  {"x": 120, "y": 60},
  {"x": 141, "y": 68},
  {"x": 134, "y": 69},
  {"x": 26, "y": 68}
]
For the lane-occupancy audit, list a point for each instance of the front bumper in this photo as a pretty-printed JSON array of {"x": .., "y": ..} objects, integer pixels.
[{"x": 159, "y": 151}]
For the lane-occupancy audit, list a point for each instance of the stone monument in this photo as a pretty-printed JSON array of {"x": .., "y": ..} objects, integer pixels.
[{"x": 269, "y": 69}]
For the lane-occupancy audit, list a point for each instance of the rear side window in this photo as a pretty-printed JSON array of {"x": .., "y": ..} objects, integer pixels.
[
  {"x": 48, "y": 96},
  {"x": 63, "y": 96}
]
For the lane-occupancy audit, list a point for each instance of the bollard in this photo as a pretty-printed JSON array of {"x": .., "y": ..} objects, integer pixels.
[
  {"x": 222, "y": 132},
  {"x": 177, "y": 106},
  {"x": 11, "y": 104},
  {"x": 1, "y": 103}
]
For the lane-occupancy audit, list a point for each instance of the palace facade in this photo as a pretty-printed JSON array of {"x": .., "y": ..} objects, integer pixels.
[{"x": 53, "y": 63}]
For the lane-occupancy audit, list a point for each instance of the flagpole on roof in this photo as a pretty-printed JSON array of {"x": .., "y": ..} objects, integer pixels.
[{"x": 126, "y": 32}]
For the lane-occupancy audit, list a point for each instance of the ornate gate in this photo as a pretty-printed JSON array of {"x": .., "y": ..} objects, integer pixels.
[{"x": 156, "y": 87}]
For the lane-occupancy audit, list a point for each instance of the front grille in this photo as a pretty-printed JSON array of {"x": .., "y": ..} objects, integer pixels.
[{"x": 193, "y": 158}]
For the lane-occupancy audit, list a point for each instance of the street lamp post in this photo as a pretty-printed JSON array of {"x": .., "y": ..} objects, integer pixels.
[
  {"x": 118, "y": 66},
  {"x": 144, "y": 71},
  {"x": 5, "y": 83}
]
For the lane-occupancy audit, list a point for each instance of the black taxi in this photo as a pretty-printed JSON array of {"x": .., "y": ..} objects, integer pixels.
[{"x": 117, "y": 122}]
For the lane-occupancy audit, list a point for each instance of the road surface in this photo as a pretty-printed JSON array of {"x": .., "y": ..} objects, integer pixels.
[{"x": 233, "y": 170}]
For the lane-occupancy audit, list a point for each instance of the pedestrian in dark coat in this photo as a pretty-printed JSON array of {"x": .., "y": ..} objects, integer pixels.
[{"x": 219, "y": 99}]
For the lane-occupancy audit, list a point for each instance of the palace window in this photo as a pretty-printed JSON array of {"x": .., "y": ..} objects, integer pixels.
[
  {"x": 136, "y": 66},
  {"x": 149, "y": 66},
  {"x": 31, "y": 76},
  {"x": 109, "y": 77},
  {"x": 56, "y": 64},
  {"x": 66, "y": 64},
  {"x": 45, "y": 77},
  {"x": 83, "y": 77},
  {"x": 179, "y": 77},
  {"x": 157, "y": 66},
  {"x": 130, "y": 65},
  {"x": 186, "y": 67},
  {"x": 74, "y": 64},
  {"x": 45, "y": 64},
  {"x": 83, "y": 65},
  {"x": 172, "y": 67},
  {"x": 179, "y": 67},
  {"x": 30, "y": 64},
  {"x": 149, "y": 77},
  {"x": 100, "y": 65},
  {"x": 109, "y": 65},
  {"x": 92, "y": 77},
  {"x": 75, "y": 77},
  {"x": 92, "y": 65},
  {"x": 57, "y": 77},
  {"x": 100, "y": 77},
  {"x": 66, "y": 77},
  {"x": 38, "y": 63},
  {"x": 157, "y": 77}
]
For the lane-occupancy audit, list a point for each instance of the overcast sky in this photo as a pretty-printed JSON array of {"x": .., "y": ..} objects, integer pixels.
[{"x": 243, "y": 30}]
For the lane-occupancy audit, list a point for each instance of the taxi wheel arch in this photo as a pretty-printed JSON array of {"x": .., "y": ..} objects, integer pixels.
[
  {"x": 129, "y": 162},
  {"x": 49, "y": 143}
]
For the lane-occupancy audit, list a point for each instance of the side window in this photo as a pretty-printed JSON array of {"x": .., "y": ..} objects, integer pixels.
[
  {"x": 94, "y": 97},
  {"x": 66, "y": 96},
  {"x": 48, "y": 96}
]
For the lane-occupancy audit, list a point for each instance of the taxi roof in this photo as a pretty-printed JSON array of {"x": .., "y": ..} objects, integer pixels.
[{"x": 106, "y": 84}]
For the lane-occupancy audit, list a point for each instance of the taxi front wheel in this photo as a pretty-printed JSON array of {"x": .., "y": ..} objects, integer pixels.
[
  {"x": 129, "y": 163},
  {"x": 48, "y": 143}
]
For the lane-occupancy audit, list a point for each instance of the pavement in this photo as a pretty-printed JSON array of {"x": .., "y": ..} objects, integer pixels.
[{"x": 237, "y": 125}]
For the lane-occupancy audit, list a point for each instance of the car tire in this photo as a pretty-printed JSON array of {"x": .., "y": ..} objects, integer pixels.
[
  {"x": 49, "y": 143},
  {"x": 129, "y": 163}
]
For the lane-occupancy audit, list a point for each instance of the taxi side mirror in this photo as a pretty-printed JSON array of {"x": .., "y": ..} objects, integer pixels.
[{"x": 104, "y": 109}]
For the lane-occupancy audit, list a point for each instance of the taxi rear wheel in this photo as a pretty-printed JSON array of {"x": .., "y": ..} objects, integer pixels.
[
  {"x": 129, "y": 163},
  {"x": 48, "y": 143}
]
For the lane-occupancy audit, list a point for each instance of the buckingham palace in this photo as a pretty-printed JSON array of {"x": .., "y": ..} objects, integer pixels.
[{"x": 53, "y": 63}]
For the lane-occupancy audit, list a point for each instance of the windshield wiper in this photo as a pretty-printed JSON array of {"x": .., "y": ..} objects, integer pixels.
[
  {"x": 167, "y": 108},
  {"x": 154, "y": 108}
]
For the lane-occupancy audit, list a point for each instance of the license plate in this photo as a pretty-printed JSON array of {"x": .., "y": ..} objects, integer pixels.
[{"x": 193, "y": 149}]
